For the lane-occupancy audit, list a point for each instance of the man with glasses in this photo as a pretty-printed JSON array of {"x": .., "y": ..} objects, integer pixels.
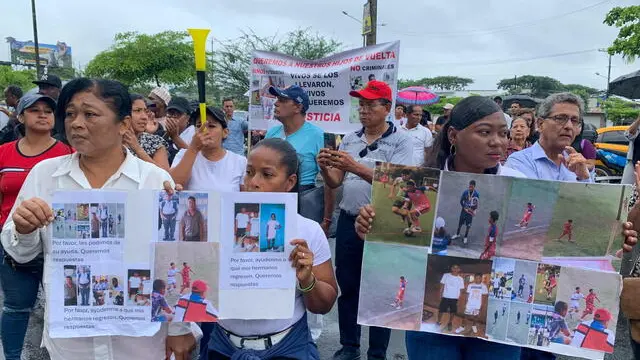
[
  {"x": 552, "y": 157},
  {"x": 352, "y": 166}
]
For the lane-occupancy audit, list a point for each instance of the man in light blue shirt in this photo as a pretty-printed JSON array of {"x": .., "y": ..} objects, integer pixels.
[
  {"x": 552, "y": 157},
  {"x": 238, "y": 129}
]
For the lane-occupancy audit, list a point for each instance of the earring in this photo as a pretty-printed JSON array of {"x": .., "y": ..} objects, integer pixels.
[{"x": 452, "y": 150}]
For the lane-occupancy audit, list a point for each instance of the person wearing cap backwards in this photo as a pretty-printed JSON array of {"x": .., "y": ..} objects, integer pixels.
[
  {"x": 595, "y": 334},
  {"x": 352, "y": 166},
  {"x": 49, "y": 85},
  {"x": 160, "y": 98},
  {"x": 290, "y": 109},
  {"x": 205, "y": 164},
  {"x": 17, "y": 158},
  {"x": 179, "y": 132},
  {"x": 446, "y": 112}
]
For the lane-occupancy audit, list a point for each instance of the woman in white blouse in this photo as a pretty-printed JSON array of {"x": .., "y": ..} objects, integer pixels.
[
  {"x": 96, "y": 114},
  {"x": 205, "y": 164}
]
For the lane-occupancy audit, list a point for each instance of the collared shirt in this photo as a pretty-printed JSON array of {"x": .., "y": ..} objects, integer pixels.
[
  {"x": 396, "y": 148},
  {"x": 64, "y": 173},
  {"x": 422, "y": 139},
  {"x": 235, "y": 141},
  {"x": 307, "y": 141},
  {"x": 535, "y": 164}
]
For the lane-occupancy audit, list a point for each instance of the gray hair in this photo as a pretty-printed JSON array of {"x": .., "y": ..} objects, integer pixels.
[{"x": 544, "y": 109}]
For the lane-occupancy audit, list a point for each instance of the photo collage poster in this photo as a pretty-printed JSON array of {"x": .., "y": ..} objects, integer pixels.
[{"x": 510, "y": 260}]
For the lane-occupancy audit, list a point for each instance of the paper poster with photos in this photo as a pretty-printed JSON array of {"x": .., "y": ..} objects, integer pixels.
[{"x": 517, "y": 261}]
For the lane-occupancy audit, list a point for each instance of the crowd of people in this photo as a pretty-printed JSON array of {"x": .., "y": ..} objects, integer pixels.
[{"x": 93, "y": 134}]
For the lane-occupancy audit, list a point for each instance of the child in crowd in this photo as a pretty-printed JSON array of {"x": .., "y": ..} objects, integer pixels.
[{"x": 490, "y": 240}]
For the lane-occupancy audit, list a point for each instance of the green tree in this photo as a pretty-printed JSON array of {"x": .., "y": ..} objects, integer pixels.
[
  {"x": 22, "y": 78},
  {"x": 621, "y": 111},
  {"x": 232, "y": 60},
  {"x": 448, "y": 83},
  {"x": 140, "y": 59},
  {"x": 436, "y": 109},
  {"x": 585, "y": 92},
  {"x": 540, "y": 86},
  {"x": 627, "y": 19}
]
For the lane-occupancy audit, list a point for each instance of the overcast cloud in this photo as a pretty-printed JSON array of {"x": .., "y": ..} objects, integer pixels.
[{"x": 437, "y": 38}]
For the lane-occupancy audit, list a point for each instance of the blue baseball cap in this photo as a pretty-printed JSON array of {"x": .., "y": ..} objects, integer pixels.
[
  {"x": 29, "y": 100},
  {"x": 293, "y": 92}
]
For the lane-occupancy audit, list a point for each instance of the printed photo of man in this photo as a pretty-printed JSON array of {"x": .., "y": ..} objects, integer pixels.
[{"x": 192, "y": 224}]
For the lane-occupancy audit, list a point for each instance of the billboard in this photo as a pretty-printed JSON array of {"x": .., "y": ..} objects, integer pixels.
[{"x": 24, "y": 53}]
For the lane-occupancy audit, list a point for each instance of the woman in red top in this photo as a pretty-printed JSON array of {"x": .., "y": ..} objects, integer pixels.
[{"x": 17, "y": 158}]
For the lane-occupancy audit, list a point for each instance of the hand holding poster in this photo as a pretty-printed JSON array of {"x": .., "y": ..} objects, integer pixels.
[
  {"x": 508, "y": 260},
  {"x": 327, "y": 81}
]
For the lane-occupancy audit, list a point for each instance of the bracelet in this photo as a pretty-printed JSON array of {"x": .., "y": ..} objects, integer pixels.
[
  {"x": 310, "y": 287},
  {"x": 328, "y": 220}
]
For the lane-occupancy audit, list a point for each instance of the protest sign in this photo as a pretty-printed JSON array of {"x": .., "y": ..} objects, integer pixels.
[
  {"x": 508, "y": 260},
  {"x": 327, "y": 81}
]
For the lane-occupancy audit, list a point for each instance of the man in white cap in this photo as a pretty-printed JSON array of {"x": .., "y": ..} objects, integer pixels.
[
  {"x": 160, "y": 98},
  {"x": 446, "y": 112}
]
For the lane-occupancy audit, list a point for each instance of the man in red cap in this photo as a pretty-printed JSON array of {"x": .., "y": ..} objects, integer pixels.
[
  {"x": 352, "y": 166},
  {"x": 193, "y": 307},
  {"x": 595, "y": 334}
]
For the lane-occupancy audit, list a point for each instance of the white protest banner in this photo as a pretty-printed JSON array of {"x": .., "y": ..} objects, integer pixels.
[{"x": 327, "y": 81}]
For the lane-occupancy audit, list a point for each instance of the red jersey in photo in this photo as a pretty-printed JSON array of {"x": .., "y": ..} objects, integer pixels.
[{"x": 419, "y": 199}]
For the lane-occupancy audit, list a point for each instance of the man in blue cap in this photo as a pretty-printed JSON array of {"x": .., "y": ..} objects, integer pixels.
[{"x": 291, "y": 109}]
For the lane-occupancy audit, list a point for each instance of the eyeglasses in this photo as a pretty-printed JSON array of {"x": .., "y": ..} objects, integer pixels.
[{"x": 562, "y": 120}]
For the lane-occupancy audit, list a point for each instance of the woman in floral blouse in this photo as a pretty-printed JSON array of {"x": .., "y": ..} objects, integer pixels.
[{"x": 147, "y": 147}]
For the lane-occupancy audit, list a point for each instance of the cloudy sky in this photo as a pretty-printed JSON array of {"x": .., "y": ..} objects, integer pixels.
[{"x": 485, "y": 40}]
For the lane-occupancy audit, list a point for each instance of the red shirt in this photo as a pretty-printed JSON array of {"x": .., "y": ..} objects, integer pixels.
[
  {"x": 14, "y": 168},
  {"x": 568, "y": 226}
]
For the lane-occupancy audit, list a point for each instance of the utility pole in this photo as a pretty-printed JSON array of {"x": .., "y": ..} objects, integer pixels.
[
  {"x": 609, "y": 77},
  {"x": 371, "y": 37},
  {"x": 35, "y": 37}
]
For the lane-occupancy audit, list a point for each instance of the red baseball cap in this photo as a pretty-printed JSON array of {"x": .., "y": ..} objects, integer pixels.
[
  {"x": 602, "y": 315},
  {"x": 199, "y": 286},
  {"x": 374, "y": 90}
]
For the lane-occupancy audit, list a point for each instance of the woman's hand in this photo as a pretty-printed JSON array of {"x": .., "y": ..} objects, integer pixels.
[
  {"x": 364, "y": 221},
  {"x": 130, "y": 139},
  {"x": 32, "y": 214},
  {"x": 302, "y": 260},
  {"x": 181, "y": 346},
  {"x": 630, "y": 237},
  {"x": 170, "y": 190}
]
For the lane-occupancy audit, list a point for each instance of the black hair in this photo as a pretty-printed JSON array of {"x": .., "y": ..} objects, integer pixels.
[
  {"x": 114, "y": 93},
  {"x": 227, "y": 99},
  {"x": 472, "y": 183},
  {"x": 590, "y": 290},
  {"x": 158, "y": 285},
  {"x": 411, "y": 183},
  {"x": 560, "y": 307},
  {"x": 184, "y": 263},
  {"x": 404, "y": 108},
  {"x": 191, "y": 198},
  {"x": 426, "y": 117},
  {"x": 529, "y": 203},
  {"x": 273, "y": 214},
  {"x": 288, "y": 156},
  {"x": 371, "y": 76},
  {"x": 478, "y": 275},
  {"x": 406, "y": 172},
  {"x": 136, "y": 97},
  {"x": 171, "y": 263},
  {"x": 497, "y": 98},
  {"x": 69, "y": 277},
  {"x": 466, "y": 112},
  {"x": 402, "y": 277},
  {"x": 494, "y": 215},
  {"x": 570, "y": 220},
  {"x": 410, "y": 108},
  {"x": 114, "y": 281},
  {"x": 577, "y": 287},
  {"x": 15, "y": 90}
]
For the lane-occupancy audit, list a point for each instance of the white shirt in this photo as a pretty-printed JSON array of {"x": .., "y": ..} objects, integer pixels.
[
  {"x": 224, "y": 175},
  {"x": 243, "y": 220},
  {"x": 64, "y": 173},
  {"x": 187, "y": 134},
  {"x": 422, "y": 139},
  {"x": 310, "y": 231},
  {"x": 399, "y": 122},
  {"x": 255, "y": 227},
  {"x": 271, "y": 228},
  {"x": 83, "y": 278},
  {"x": 452, "y": 286},
  {"x": 134, "y": 282},
  {"x": 475, "y": 292},
  {"x": 496, "y": 282},
  {"x": 171, "y": 273}
]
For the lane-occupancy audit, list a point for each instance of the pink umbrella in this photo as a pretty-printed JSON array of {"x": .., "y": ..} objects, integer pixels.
[{"x": 417, "y": 95}]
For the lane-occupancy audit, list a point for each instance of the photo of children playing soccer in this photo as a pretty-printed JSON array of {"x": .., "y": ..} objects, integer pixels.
[
  {"x": 456, "y": 296},
  {"x": 592, "y": 300},
  {"x": 518, "y": 322},
  {"x": 185, "y": 286},
  {"x": 547, "y": 278},
  {"x": 524, "y": 279},
  {"x": 473, "y": 208},
  {"x": 404, "y": 199},
  {"x": 246, "y": 228},
  {"x": 528, "y": 217},
  {"x": 541, "y": 318},
  {"x": 392, "y": 298},
  {"x": 575, "y": 231},
  {"x": 497, "y": 319}
]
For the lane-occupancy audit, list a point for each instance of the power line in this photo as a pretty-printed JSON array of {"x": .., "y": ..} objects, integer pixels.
[
  {"x": 505, "y": 61},
  {"x": 498, "y": 29}
]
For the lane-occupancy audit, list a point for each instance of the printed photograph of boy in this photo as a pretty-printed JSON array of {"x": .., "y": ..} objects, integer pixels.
[
  {"x": 392, "y": 289},
  {"x": 100, "y": 286},
  {"x": 457, "y": 291},
  {"x": 120, "y": 220},
  {"x": 541, "y": 316},
  {"x": 195, "y": 301},
  {"x": 528, "y": 218},
  {"x": 82, "y": 212},
  {"x": 58, "y": 221},
  {"x": 473, "y": 208},
  {"x": 441, "y": 239},
  {"x": 547, "y": 278},
  {"x": 498, "y": 319},
  {"x": 574, "y": 231},
  {"x": 168, "y": 214},
  {"x": 593, "y": 299},
  {"x": 247, "y": 239},
  {"x": 83, "y": 280},
  {"x": 519, "y": 319},
  {"x": 272, "y": 227},
  {"x": 82, "y": 230},
  {"x": 116, "y": 290},
  {"x": 70, "y": 286},
  {"x": 502, "y": 278},
  {"x": 192, "y": 217},
  {"x": 94, "y": 221},
  {"x": 404, "y": 198},
  {"x": 524, "y": 281},
  {"x": 136, "y": 291},
  {"x": 70, "y": 221}
]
